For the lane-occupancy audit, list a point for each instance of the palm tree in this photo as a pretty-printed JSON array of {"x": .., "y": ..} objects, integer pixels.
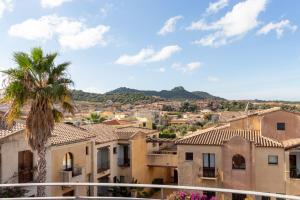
[
  {"x": 95, "y": 118},
  {"x": 36, "y": 81}
]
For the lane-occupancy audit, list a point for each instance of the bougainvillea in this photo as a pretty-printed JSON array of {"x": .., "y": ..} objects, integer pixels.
[{"x": 181, "y": 195}]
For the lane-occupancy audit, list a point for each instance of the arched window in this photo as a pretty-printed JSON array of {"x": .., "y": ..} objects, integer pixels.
[
  {"x": 68, "y": 162},
  {"x": 238, "y": 162}
]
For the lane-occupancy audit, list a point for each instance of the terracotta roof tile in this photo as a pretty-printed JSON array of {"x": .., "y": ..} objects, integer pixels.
[
  {"x": 16, "y": 128},
  {"x": 260, "y": 112},
  {"x": 219, "y": 136},
  {"x": 295, "y": 142},
  {"x": 66, "y": 134},
  {"x": 128, "y": 132},
  {"x": 104, "y": 133}
]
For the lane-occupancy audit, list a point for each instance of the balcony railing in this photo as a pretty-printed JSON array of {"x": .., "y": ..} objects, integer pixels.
[
  {"x": 72, "y": 175},
  {"x": 123, "y": 162},
  {"x": 209, "y": 172},
  {"x": 161, "y": 187},
  {"x": 104, "y": 165},
  {"x": 294, "y": 173}
]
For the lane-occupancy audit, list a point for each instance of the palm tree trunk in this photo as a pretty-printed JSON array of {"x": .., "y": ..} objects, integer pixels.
[{"x": 41, "y": 170}]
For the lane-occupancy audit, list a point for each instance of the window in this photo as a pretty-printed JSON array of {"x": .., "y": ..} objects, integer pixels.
[
  {"x": 103, "y": 159},
  {"x": 68, "y": 162},
  {"x": 280, "y": 126},
  {"x": 273, "y": 160},
  {"x": 208, "y": 165},
  {"x": 114, "y": 150},
  {"x": 189, "y": 156},
  {"x": 265, "y": 198},
  {"x": 238, "y": 162},
  {"x": 25, "y": 166},
  {"x": 86, "y": 150},
  {"x": 123, "y": 155}
]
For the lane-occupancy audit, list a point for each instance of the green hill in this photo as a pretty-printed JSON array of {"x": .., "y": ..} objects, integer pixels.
[{"x": 178, "y": 93}]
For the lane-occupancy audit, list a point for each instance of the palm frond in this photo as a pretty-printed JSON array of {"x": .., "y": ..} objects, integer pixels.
[
  {"x": 23, "y": 60},
  {"x": 37, "y": 54}
]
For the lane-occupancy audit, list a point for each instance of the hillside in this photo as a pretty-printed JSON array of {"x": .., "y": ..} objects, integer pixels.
[
  {"x": 178, "y": 93},
  {"x": 123, "y": 98}
]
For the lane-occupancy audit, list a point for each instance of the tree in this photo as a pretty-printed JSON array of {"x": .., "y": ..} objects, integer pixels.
[
  {"x": 95, "y": 118},
  {"x": 36, "y": 81}
]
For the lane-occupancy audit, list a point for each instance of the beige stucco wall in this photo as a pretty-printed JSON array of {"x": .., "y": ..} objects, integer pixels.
[
  {"x": 259, "y": 175},
  {"x": 252, "y": 122},
  {"x": 292, "y": 125},
  {"x": 140, "y": 171},
  {"x": 269, "y": 178},
  {"x": 9, "y": 156},
  {"x": 236, "y": 178},
  {"x": 190, "y": 172},
  {"x": 80, "y": 160}
]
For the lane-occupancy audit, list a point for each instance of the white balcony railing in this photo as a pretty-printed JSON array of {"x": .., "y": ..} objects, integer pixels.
[{"x": 161, "y": 187}]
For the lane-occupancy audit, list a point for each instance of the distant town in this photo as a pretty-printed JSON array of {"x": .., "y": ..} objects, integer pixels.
[{"x": 174, "y": 137}]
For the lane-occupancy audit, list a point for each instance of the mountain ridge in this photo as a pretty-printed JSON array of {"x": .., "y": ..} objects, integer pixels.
[{"x": 178, "y": 92}]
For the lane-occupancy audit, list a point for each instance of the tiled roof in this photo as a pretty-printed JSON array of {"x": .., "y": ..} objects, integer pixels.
[
  {"x": 219, "y": 136},
  {"x": 260, "y": 112},
  {"x": 118, "y": 122},
  {"x": 291, "y": 143},
  {"x": 128, "y": 132},
  {"x": 66, "y": 134},
  {"x": 104, "y": 133},
  {"x": 16, "y": 128}
]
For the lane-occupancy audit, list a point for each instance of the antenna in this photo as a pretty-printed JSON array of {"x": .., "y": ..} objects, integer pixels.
[{"x": 247, "y": 115}]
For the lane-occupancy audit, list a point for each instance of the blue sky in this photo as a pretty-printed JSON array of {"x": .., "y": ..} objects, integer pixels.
[{"x": 236, "y": 49}]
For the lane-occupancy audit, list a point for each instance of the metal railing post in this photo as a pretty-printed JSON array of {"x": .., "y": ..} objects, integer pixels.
[
  {"x": 76, "y": 192},
  {"x": 162, "y": 193}
]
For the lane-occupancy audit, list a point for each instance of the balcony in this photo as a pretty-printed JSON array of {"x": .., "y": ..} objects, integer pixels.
[
  {"x": 123, "y": 162},
  {"x": 74, "y": 175},
  {"x": 161, "y": 159},
  {"x": 164, "y": 191},
  {"x": 103, "y": 166}
]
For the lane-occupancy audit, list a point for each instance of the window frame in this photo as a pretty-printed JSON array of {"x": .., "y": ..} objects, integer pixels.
[
  {"x": 68, "y": 162},
  {"x": 273, "y": 163},
  {"x": 280, "y": 126},
  {"x": 187, "y": 154},
  {"x": 210, "y": 170},
  {"x": 239, "y": 167}
]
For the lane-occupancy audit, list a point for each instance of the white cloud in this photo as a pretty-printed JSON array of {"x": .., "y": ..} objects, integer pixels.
[
  {"x": 85, "y": 39},
  {"x": 278, "y": 27},
  {"x": 162, "y": 69},
  {"x": 134, "y": 59},
  {"x": 52, "y": 3},
  {"x": 192, "y": 66},
  {"x": 216, "y": 6},
  {"x": 213, "y": 79},
  {"x": 241, "y": 19},
  {"x": 71, "y": 33},
  {"x": 169, "y": 25},
  {"x": 164, "y": 53},
  {"x": 148, "y": 55},
  {"x": 5, "y": 5}
]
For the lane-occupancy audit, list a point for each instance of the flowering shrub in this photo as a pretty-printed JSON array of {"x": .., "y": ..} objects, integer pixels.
[{"x": 188, "y": 196}]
